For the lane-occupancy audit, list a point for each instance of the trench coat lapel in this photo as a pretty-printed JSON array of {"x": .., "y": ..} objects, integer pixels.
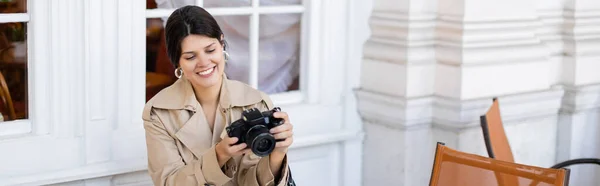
[
  {"x": 195, "y": 134},
  {"x": 219, "y": 126}
]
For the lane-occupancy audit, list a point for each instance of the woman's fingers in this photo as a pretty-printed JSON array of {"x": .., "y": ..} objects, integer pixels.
[
  {"x": 236, "y": 148},
  {"x": 286, "y": 143},
  {"x": 239, "y": 149},
  {"x": 230, "y": 148},
  {"x": 284, "y": 134},
  {"x": 282, "y": 115},
  {"x": 229, "y": 140},
  {"x": 282, "y": 128}
]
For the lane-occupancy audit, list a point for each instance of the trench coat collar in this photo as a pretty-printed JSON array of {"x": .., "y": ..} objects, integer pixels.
[{"x": 181, "y": 95}]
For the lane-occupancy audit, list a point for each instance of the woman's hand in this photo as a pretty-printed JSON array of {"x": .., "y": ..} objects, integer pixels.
[
  {"x": 283, "y": 132},
  {"x": 225, "y": 149}
]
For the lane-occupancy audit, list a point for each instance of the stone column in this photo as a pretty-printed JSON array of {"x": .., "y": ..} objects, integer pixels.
[
  {"x": 492, "y": 48},
  {"x": 579, "y": 126},
  {"x": 431, "y": 68},
  {"x": 397, "y": 80}
]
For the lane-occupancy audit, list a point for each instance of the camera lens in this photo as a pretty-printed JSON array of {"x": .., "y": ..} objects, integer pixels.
[
  {"x": 260, "y": 140},
  {"x": 263, "y": 144}
]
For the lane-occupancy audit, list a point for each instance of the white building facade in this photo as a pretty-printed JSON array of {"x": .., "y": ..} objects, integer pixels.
[{"x": 378, "y": 83}]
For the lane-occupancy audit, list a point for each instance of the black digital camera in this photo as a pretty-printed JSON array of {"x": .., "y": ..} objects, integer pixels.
[{"x": 253, "y": 129}]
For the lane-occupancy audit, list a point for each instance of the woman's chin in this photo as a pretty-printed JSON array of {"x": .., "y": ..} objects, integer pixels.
[{"x": 207, "y": 82}]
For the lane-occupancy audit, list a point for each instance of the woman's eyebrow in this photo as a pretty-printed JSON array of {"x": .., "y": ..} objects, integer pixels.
[
  {"x": 209, "y": 45},
  {"x": 192, "y": 52},
  {"x": 188, "y": 52}
]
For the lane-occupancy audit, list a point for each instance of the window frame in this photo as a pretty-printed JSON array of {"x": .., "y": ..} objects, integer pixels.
[
  {"x": 307, "y": 91},
  {"x": 37, "y": 50}
]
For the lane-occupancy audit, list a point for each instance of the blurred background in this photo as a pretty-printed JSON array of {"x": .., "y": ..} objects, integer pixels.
[{"x": 370, "y": 85}]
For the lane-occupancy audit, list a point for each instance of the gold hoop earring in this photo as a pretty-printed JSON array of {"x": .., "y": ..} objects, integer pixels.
[
  {"x": 178, "y": 73},
  {"x": 225, "y": 55}
]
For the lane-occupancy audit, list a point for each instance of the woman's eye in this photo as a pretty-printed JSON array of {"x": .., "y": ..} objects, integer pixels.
[
  {"x": 210, "y": 51},
  {"x": 190, "y": 58}
]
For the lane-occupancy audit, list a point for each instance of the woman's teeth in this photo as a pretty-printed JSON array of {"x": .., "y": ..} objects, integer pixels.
[{"x": 206, "y": 71}]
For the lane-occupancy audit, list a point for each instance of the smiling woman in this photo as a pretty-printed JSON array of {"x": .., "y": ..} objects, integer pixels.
[
  {"x": 202, "y": 147},
  {"x": 194, "y": 53},
  {"x": 196, "y": 47}
]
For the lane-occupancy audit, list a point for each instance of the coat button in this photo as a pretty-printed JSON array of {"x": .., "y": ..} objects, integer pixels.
[{"x": 190, "y": 108}]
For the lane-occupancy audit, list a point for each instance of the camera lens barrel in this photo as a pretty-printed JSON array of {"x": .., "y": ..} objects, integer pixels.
[{"x": 260, "y": 141}]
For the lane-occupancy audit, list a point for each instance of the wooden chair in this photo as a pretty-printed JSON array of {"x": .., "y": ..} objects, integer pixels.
[
  {"x": 6, "y": 99},
  {"x": 455, "y": 168},
  {"x": 496, "y": 141}
]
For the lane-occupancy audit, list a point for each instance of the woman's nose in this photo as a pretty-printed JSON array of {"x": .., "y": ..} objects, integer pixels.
[{"x": 203, "y": 61}]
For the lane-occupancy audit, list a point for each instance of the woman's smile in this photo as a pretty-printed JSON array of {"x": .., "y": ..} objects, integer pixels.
[{"x": 208, "y": 72}]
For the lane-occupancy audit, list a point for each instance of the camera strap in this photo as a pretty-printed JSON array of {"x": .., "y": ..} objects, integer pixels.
[
  {"x": 267, "y": 104},
  {"x": 290, "y": 181}
]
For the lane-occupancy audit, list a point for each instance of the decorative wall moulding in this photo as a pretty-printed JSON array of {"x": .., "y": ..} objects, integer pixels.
[{"x": 401, "y": 113}]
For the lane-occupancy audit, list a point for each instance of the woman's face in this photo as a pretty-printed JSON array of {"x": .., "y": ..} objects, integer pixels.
[{"x": 202, "y": 60}]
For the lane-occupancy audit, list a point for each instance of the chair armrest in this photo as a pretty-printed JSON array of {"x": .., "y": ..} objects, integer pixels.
[
  {"x": 569, "y": 163},
  {"x": 577, "y": 161}
]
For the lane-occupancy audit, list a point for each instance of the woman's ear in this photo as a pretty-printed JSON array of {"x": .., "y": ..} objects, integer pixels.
[{"x": 222, "y": 41}]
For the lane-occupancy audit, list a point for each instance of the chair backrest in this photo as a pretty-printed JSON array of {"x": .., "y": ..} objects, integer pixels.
[
  {"x": 495, "y": 138},
  {"x": 496, "y": 141},
  {"x": 454, "y": 168},
  {"x": 6, "y": 99}
]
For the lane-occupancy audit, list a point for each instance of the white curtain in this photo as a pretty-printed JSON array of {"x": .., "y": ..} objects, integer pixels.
[{"x": 279, "y": 42}]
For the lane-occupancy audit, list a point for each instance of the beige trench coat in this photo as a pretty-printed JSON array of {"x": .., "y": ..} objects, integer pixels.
[{"x": 181, "y": 146}]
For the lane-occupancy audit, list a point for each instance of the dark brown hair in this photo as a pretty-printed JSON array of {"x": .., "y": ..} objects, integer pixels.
[{"x": 185, "y": 21}]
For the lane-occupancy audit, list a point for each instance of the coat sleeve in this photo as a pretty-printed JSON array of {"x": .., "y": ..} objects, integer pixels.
[
  {"x": 256, "y": 171},
  {"x": 166, "y": 166}
]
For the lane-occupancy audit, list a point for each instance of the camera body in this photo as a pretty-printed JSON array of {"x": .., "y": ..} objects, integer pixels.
[{"x": 253, "y": 129}]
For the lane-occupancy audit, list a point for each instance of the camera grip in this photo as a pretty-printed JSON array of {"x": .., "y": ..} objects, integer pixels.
[
  {"x": 237, "y": 129},
  {"x": 276, "y": 121}
]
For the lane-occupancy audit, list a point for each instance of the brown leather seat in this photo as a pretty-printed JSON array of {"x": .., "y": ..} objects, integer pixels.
[{"x": 455, "y": 168}]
